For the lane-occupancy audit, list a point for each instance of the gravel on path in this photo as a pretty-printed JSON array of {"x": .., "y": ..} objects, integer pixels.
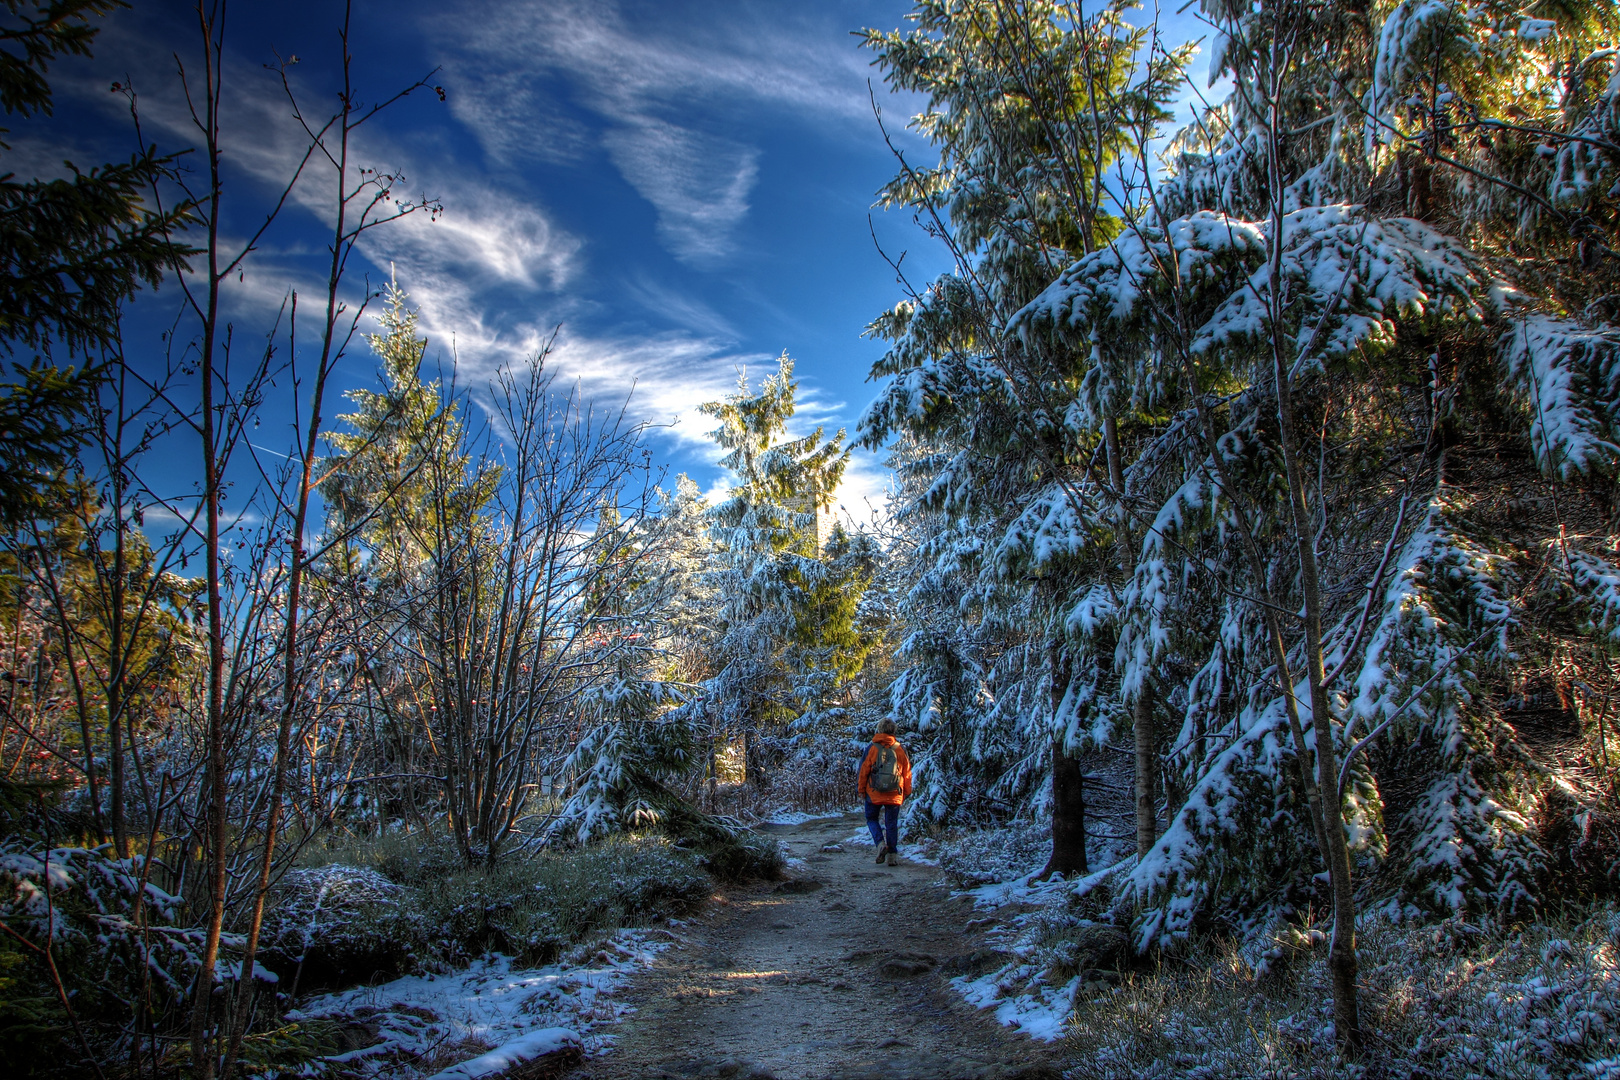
[{"x": 839, "y": 973}]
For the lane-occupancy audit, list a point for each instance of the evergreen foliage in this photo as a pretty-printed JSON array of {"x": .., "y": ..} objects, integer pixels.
[
  {"x": 1410, "y": 246},
  {"x": 75, "y": 249},
  {"x": 790, "y": 636}
]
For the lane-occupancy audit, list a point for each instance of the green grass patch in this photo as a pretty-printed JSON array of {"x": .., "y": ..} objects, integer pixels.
[{"x": 407, "y": 901}]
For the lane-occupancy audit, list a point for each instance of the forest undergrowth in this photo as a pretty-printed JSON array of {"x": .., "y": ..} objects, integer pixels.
[
  {"x": 1530, "y": 1000},
  {"x": 1453, "y": 999}
]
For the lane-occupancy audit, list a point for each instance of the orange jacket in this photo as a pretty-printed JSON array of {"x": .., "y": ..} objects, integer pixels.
[{"x": 886, "y": 798}]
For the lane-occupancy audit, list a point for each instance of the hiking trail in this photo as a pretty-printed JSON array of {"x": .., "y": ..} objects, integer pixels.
[{"x": 839, "y": 973}]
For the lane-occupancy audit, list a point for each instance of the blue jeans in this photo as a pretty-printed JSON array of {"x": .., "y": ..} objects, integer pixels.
[{"x": 891, "y": 824}]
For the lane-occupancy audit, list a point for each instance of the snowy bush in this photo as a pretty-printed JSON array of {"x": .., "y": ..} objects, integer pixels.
[
  {"x": 113, "y": 938},
  {"x": 1566, "y": 379},
  {"x": 337, "y": 925},
  {"x": 407, "y": 902},
  {"x": 994, "y": 854},
  {"x": 1453, "y": 999}
]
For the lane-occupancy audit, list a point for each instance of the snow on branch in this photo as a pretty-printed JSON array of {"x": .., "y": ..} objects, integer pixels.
[
  {"x": 1406, "y": 42},
  {"x": 1464, "y": 843},
  {"x": 1597, "y": 582},
  {"x": 1244, "y": 794},
  {"x": 1349, "y": 279},
  {"x": 1566, "y": 377},
  {"x": 1050, "y": 529}
]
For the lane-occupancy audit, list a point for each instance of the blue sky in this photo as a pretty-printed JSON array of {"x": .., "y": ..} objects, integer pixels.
[{"x": 684, "y": 187}]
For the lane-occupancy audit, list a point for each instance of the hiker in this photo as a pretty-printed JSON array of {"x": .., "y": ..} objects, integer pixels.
[{"x": 884, "y": 783}]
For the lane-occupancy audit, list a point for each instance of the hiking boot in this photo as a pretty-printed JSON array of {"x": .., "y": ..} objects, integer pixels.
[
  {"x": 894, "y": 860},
  {"x": 883, "y": 849}
]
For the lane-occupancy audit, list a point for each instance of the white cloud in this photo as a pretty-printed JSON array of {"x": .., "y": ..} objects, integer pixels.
[
  {"x": 485, "y": 236},
  {"x": 667, "y": 376},
  {"x": 462, "y": 270},
  {"x": 528, "y": 57},
  {"x": 698, "y": 183},
  {"x": 495, "y": 274},
  {"x": 680, "y": 308},
  {"x": 627, "y": 68},
  {"x": 672, "y": 375},
  {"x": 185, "y": 515},
  {"x": 862, "y": 498}
]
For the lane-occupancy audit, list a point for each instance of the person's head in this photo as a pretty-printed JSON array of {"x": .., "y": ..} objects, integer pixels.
[{"x": 885, "y": 726}]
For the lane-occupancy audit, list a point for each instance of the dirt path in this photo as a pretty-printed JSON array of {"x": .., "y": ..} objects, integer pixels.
[{"x": 838, "y": 974}]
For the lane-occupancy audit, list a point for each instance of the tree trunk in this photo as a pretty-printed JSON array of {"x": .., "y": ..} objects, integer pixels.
[
  {"x": 1342, "y": 951},
  {"x": 1147, "y": 762},
  {"x": 1146, "y": 739},
  {"x": 215, "y": 796},
  {"x": 753, "y": 759},
  {"x": 1068, "y": 816},
  {"x": 116, "y": 673},
  {"x": 1068, "y": 783},
  {"x": 714, "y": 773}
]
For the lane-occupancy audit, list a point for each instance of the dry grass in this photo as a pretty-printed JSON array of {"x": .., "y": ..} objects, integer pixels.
[{"x": 1446, "y": 1000}]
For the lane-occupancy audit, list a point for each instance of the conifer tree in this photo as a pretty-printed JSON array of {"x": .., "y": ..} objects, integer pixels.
[
  {"x": 1294, "y": 362},
  {"x": 775, "y": 661},
  {"x": 76, "y": 249},
  {"x": 644, "y": 721},
  {"x": 1030, "y": 108},
  {"x": 402, "y": 442}
]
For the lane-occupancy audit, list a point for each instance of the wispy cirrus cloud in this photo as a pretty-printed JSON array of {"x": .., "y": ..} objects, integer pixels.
[
  {"x": 682, "y": 109},
  {"x": 486, "y": 236},
  {"x": 681, "y": 308},
  {"x": 661, "y": 378},
  {"x": 698, "y": 183},
  {"x": 635, "y": 74},
  {"x": 493, "y": 276}
]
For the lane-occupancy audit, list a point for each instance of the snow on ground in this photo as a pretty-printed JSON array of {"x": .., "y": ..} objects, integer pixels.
[
  {"x": 1018, "y": 991},
  {"x": 1020, "y": 890},
  {"x": 996, "y": 868},
  {"x": 490, "y": 1003},
  {"x": 510, "y": 1055},
  {"x": 1030, "y": 1005},
  {"x": 799, "y": 817},
  {"x": 921, "y": 855}
]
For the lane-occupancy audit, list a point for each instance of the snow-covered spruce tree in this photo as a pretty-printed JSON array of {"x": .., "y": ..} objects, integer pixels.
[
  {"x": 633, "y": 766},
  {"x": 940, "y": 688},
  {"x": 1359, "y": 360},
  {"x": 1030, "y": 111},
  {"x": 404, "y": 441},
  {"x": 835, "y": 630},
  {"x": 789, "y": 639},
  {"x": 1328, "y": 574},
  {"x": 376, "y": 484}
]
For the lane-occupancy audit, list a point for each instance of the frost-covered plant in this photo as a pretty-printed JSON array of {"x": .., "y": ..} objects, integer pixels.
[
  {"x": 1455, "y": 998},
  {"x": 993, "y": 854},
  {"x": 789, "y": 637},
  {"x": 336, "y": 925},
  {"x": 989, "y": 459},
  {"x": 115, "y": 941},
  {"x": 412, "y": 905},
  {"x": 1448, "y": 608},
  {"x": 1302, "y": 344},
  {"x": 1566, "y": 378},
  {"x": 628, "y": 766}
]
